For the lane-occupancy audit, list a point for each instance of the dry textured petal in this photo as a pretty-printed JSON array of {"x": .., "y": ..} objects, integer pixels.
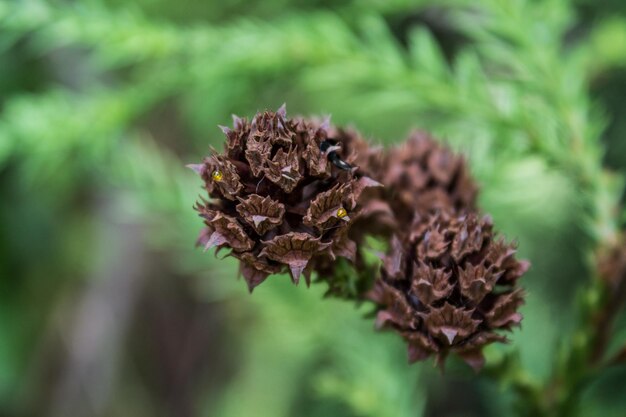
[
  {"x": 325, "y": 209},
  {"x": 443, "y": 287},
  {"x": 284, "y": 170},
  {"x": 450, "y": 323},
  {"x": 476, "y": 281},
  {"x": 358, "y": 187},
  {"x": 469, "y": 239},
  {"x": 421, "y": 346},
  {"x": 258, "y": 154},
  {"x": 504, "y": 313},
  {"x": 399, "y": 312},
  {"x": 224, "y": 230},
  {"x": 442, "y": 166},
  {"x": 257, "y": 262},
  {"x": 316, "y": 159},
  {"x": 254, "y": 269},
  {"x": 432, "y": 245},
  {"x": 235, "y": 138},
  {"x": 502, "y": 256},
  {"x": 253, "y": 276},
  {"x": 294, "y": 249},
  {"x": 344, "y": 246},
  {"x": 261, "y": 213},
  {"x": 275, "y": 195},
  {"x": 393, "y": 264},
  {"x": 273, "y": 127},
  {"x": 430, "y": 284},
  {"x": 228, "y": 184},
  {"x": 471, "y": 351}
]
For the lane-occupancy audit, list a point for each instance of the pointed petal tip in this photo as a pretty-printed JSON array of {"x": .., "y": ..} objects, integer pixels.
[
  {"x": 450, "y": 334},
  {"x": 257, "y": 219},
  {"x": 215, "y": 239},
  {"x": 326, "y": 123},
  {"x": 415, "y": 354},
  {"x": 382, "y": 317},
  {"x": 197, "y": 168},
  {"x": 307, "y": 277},
  {"x": 524, "y": 265},
  {"x": 282, "y": 110},
  {"x": 237, "y": 121},
  {"x": 296, "y": 272},
  {"x": 370, "y": 182},
  {"x": 475, "y": 359},
  {"x": 226, "y": 130}
]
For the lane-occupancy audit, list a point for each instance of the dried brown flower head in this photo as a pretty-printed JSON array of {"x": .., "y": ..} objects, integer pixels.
[
  {"x": 448, "y": 285},
  {"x": 422, "y": 175},
  {"x": 281, "y": 199}
]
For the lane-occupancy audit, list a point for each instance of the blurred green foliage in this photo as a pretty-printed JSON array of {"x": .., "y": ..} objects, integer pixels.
[{"x": 103, "y": 102}]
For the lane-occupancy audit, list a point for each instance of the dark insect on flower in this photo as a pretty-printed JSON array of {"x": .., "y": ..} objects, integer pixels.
[
  {"x": 281, "y": 196},
  {"x": 330, "y": 148}
]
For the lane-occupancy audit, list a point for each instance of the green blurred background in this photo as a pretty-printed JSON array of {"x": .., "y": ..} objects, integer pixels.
[{"x": 106, "y": 308}]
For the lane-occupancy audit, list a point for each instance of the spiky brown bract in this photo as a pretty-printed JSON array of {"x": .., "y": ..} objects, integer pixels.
[
  {"x": 276, "y": 200},
  {"x": 448, "y": 285}
]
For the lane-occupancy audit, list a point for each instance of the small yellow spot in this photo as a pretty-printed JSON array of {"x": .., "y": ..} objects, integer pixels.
[
  {"x": 217, "y": 175},
  {"x": 341, "y": 213}
]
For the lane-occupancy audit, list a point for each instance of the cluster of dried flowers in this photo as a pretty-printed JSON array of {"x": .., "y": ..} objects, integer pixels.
[
  {"x": 296, "y": 194},
  {"x": 277, "y": 201}
]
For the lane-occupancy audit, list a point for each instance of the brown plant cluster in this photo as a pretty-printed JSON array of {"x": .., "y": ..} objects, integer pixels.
[
  {"x": 276, "y": 199},
  {"x": 448, "y": 283},
  {"x": 448, "y": 286},
  {"x": 297, "y": 194}
]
